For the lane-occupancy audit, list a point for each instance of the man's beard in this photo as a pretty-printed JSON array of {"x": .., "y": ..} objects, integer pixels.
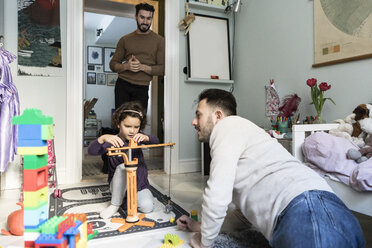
[{"x": 140, "y": 27}]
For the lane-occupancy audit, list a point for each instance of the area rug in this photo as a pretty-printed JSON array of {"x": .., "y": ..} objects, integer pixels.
[{"x": 92, "y": 199}]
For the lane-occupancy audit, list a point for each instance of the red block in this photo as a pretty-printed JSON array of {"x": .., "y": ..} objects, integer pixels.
[{"x": 34, "y": 180}]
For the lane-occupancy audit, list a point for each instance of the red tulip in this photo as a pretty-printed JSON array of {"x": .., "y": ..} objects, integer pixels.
[
  {"x": 311, "y": 82},
  {"x": 324, "y": 86}
]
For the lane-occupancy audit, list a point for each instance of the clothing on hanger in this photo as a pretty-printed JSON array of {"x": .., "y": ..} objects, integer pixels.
[{"x": 9, "y": 107}]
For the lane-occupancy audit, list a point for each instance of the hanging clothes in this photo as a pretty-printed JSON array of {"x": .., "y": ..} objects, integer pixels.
[{"x": 9, "y": 107}]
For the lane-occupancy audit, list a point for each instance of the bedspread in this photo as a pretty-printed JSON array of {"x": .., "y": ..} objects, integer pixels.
[{"x": 327, "y": 155}]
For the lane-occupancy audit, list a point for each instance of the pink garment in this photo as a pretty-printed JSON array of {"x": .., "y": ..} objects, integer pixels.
[
  {"x": 327, "y": 155},
  {"x": 9, "y": 107}
]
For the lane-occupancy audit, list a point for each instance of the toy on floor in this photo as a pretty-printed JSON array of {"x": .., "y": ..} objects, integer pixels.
[
  {"x": 15, "y": 222},
  {"x": 171, "y": 241},
  {"x": 194, "y": 215},
  {"x": 131, "y": 168}
]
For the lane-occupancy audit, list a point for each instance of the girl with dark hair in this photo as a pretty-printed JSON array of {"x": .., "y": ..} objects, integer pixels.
[{"x": 129, "y": 118}]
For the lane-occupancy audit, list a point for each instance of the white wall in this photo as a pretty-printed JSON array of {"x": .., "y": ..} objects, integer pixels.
[
  {"x": 45, "y": 93},
  {"x": 274, "y": 39}
]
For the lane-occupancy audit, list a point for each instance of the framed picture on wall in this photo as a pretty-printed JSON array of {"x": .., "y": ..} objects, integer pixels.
[
  {"x": 111, "y": 79},
  {"x": 99, "y": 68},
  {"x": 94, "y": 55},
  {"x": 91, "y": 78},
  {"x": 101, "y": 79},
  {"x": 90, "y": 67},
  {"x": 108, "y": 53}
]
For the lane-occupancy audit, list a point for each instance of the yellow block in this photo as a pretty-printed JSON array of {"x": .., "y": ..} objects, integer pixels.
[
  {"x": 33, "y": 199},
  {"x": 32, "y": 150}
]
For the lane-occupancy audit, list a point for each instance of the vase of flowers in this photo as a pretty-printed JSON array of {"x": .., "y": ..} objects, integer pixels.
[{"x": 317, "y": 96}]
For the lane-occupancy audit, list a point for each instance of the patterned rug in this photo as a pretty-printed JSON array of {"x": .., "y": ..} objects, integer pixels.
[{"x": 92, "y": 199}]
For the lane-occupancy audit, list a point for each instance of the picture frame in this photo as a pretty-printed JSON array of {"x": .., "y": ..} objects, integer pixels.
[
  {"x": 337, "y": 40},
  {"x": 111, "y": 79},
  {"x": 91, "y": 78},
  {"x": 202, "y": 1},
  {"x": 101, "y": 79},
  {"x": 108, "y": 53},
  {"x": 99, "y": 68},
  {"x": 90, "y": 67},
  {"x": 94, "y": 55},
  {"x": 209, "y": 52}
]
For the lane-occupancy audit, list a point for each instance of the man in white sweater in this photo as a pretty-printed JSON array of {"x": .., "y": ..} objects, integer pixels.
[{"x": 287, "y": 201}]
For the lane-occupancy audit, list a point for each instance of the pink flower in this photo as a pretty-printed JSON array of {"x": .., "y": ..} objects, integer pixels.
[
  {"x": 311, "y": 82},
  {"x": 324, "y": 86}
]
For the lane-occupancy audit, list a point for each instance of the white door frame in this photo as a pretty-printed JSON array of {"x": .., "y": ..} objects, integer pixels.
[{"x": 74, "y": 108}]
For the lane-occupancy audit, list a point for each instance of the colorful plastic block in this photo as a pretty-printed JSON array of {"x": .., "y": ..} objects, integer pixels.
[
  {"x": 32, "y": 150},
  {"x": 47, "y": 132},
  {"x": 34, "y": 161},
  {"x": 31, "y": 143},
  {"x": 50, "y": 240},
  {"x": 34, "y": 180},
  {"x": 51, "y": 226},
  {"x": 32, "y": 116},
  {"x": 29, "y": 132},
  {"x": 34, "y": 228},
  {"x": 33, "y": 218},
  {"x": 34, "y": 199}
]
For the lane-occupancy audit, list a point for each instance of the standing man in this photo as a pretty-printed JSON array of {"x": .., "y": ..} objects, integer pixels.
[
  {"x": 138, "y": 57},
  {"x": 284, "y": 199}
]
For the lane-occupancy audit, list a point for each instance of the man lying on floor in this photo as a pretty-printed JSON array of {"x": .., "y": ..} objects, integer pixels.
[{"x": 284, "y": 199}]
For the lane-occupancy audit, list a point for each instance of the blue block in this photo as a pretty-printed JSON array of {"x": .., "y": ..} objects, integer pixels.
[
  {"x": 49, "y": 239},
  {"x": 34, "y": 217},
  {"x": 29, "y": 132},
  {"x": 31, "y": 143},
  {"x": 36, "y": 228}
]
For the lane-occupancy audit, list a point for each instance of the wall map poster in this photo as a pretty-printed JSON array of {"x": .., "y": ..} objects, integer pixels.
[
  {"x": 342, "y": 30},
  {"x": 39, "y": 38}
]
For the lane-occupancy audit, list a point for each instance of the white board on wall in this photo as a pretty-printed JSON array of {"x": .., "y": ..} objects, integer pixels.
[{"x": 209, "y": 48}]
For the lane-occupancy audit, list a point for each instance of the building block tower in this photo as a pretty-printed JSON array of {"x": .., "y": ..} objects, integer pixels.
[{"x": 34, "y": 129}]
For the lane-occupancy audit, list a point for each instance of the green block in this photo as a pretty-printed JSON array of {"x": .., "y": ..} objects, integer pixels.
[
  {"x": 90, "y": 236},
  {"x": 47, "y": 132},
  {"x": 32, "y": 162},
  {"x": 32, "y": 116},
  {"x": 51, "y": 226}
]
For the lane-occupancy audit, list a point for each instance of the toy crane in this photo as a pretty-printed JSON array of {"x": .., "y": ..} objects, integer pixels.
[{"x": 131, "y": 168}]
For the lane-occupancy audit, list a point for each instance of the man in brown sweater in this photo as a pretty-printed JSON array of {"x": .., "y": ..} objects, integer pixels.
[{"x": 138, "y": 57}]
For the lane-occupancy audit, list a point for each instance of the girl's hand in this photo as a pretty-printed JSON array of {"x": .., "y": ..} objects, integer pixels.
[
  {"x": 114, "y": 140},
  {"x": 186, "y": 223},
  {"x": 140, "y": 137}
]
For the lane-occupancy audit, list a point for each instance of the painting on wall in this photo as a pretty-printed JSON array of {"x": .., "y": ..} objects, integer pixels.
[
  {"x": 111, "y": 79},
  {"x": 341, "y": 36},
  {"x": 101, "y": 79},
  {"x": 39, "y": 38},
  {"x": 109, "y": 52},
  {"x": 94, "y": 55},
  {"x": 91, "y": 78}
]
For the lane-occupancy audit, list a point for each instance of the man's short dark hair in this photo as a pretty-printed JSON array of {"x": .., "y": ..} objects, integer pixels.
[
  {"x": 144, "y": 6},
  {"x": 220, "y": 98}
]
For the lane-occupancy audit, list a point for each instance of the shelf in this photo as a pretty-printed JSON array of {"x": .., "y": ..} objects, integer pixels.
[
  {"x": 206, "y": 6},
  {"x": 207, "y": 80}
]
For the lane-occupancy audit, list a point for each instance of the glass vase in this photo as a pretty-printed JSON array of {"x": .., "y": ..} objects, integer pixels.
[{"x": 318, "y": 118}]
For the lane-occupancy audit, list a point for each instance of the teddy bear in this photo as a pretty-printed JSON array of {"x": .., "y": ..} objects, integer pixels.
[
  {"x": 362, "y": 154},
  {"x": 356, "y": 126}
]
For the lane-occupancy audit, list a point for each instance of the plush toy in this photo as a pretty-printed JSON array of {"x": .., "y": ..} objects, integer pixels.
[
  {"x": 15, "y": 223},
  {"x": 362, "y": 154},
  {"x": 363, "y": 120}
]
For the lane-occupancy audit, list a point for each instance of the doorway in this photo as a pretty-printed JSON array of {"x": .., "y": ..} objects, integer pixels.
[{"x": 119, "y": 13}]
